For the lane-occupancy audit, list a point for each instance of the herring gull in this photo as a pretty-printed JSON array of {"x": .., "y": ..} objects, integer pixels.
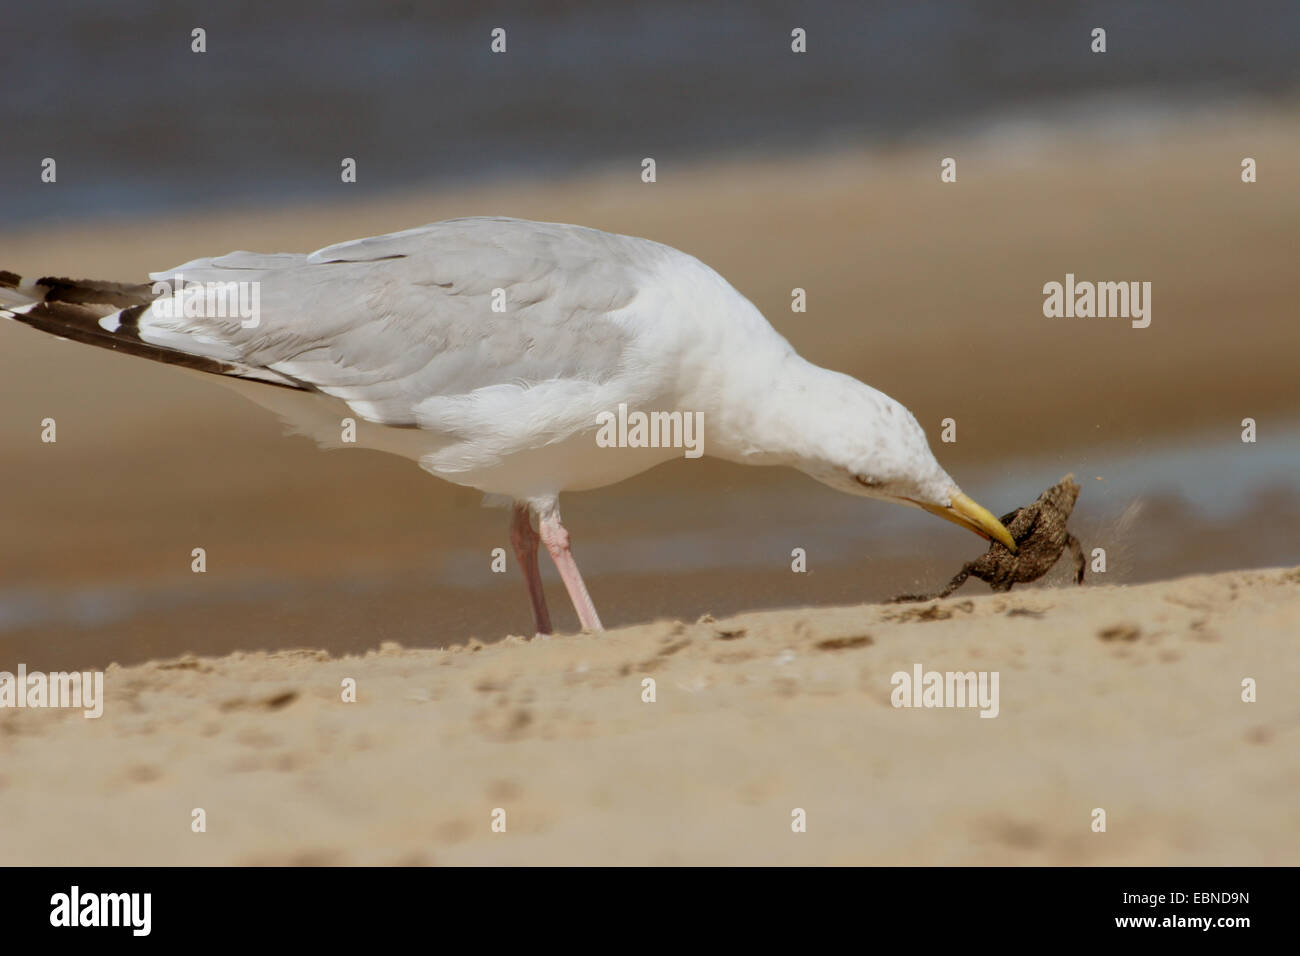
[{"x": 492, "y": 350}]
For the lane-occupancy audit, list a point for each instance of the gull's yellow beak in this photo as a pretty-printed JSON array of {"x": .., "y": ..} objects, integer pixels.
[{"x": 974, "y": 517}]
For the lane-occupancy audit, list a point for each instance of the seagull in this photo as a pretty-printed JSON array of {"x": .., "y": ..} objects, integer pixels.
[{"x": 492, "y": 351}]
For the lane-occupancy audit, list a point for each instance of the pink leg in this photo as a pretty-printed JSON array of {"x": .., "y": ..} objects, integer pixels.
[
  {"x": 524, "y": 539},
  {"x": 556, "y": 539}
]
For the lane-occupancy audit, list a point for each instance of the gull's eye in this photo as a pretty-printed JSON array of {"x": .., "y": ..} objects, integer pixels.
[{"x": 867, "y": 481}]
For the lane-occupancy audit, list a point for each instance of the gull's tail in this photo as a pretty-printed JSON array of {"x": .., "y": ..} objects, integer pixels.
[{"x": 107, "y": 315}]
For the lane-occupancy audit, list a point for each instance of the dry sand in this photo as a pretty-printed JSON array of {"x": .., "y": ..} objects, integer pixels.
[{"x": 1123, "y": 698}]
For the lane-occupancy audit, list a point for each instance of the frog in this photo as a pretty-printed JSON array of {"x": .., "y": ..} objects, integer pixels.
[{"x": 1041, "y": 537}]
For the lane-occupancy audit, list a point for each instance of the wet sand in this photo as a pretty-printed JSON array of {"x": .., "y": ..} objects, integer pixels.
[{"x": 1126, "y": 699}]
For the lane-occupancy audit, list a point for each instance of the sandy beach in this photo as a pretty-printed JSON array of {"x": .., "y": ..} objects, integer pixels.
[
  {"x": 223, "y": 689},
  {"x": 933, "y": 296},
  {"x": 1127, "y": 699}
]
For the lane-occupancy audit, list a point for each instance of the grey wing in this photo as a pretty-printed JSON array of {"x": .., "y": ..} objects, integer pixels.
[{"x": 400, "y": 325}]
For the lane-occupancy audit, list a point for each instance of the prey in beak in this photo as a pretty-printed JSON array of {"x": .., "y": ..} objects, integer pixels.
[
  {"x": 1041, "y": 530},
  {"x": 972, "y": 516}
]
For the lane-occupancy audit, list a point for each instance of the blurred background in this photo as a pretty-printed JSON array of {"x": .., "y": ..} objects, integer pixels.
[{"x": 781, "y": 170}]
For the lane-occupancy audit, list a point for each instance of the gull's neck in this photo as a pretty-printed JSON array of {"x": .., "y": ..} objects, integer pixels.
[
  {"x": 763, "y": 403},
  {"x": 772, "y": 409}
]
